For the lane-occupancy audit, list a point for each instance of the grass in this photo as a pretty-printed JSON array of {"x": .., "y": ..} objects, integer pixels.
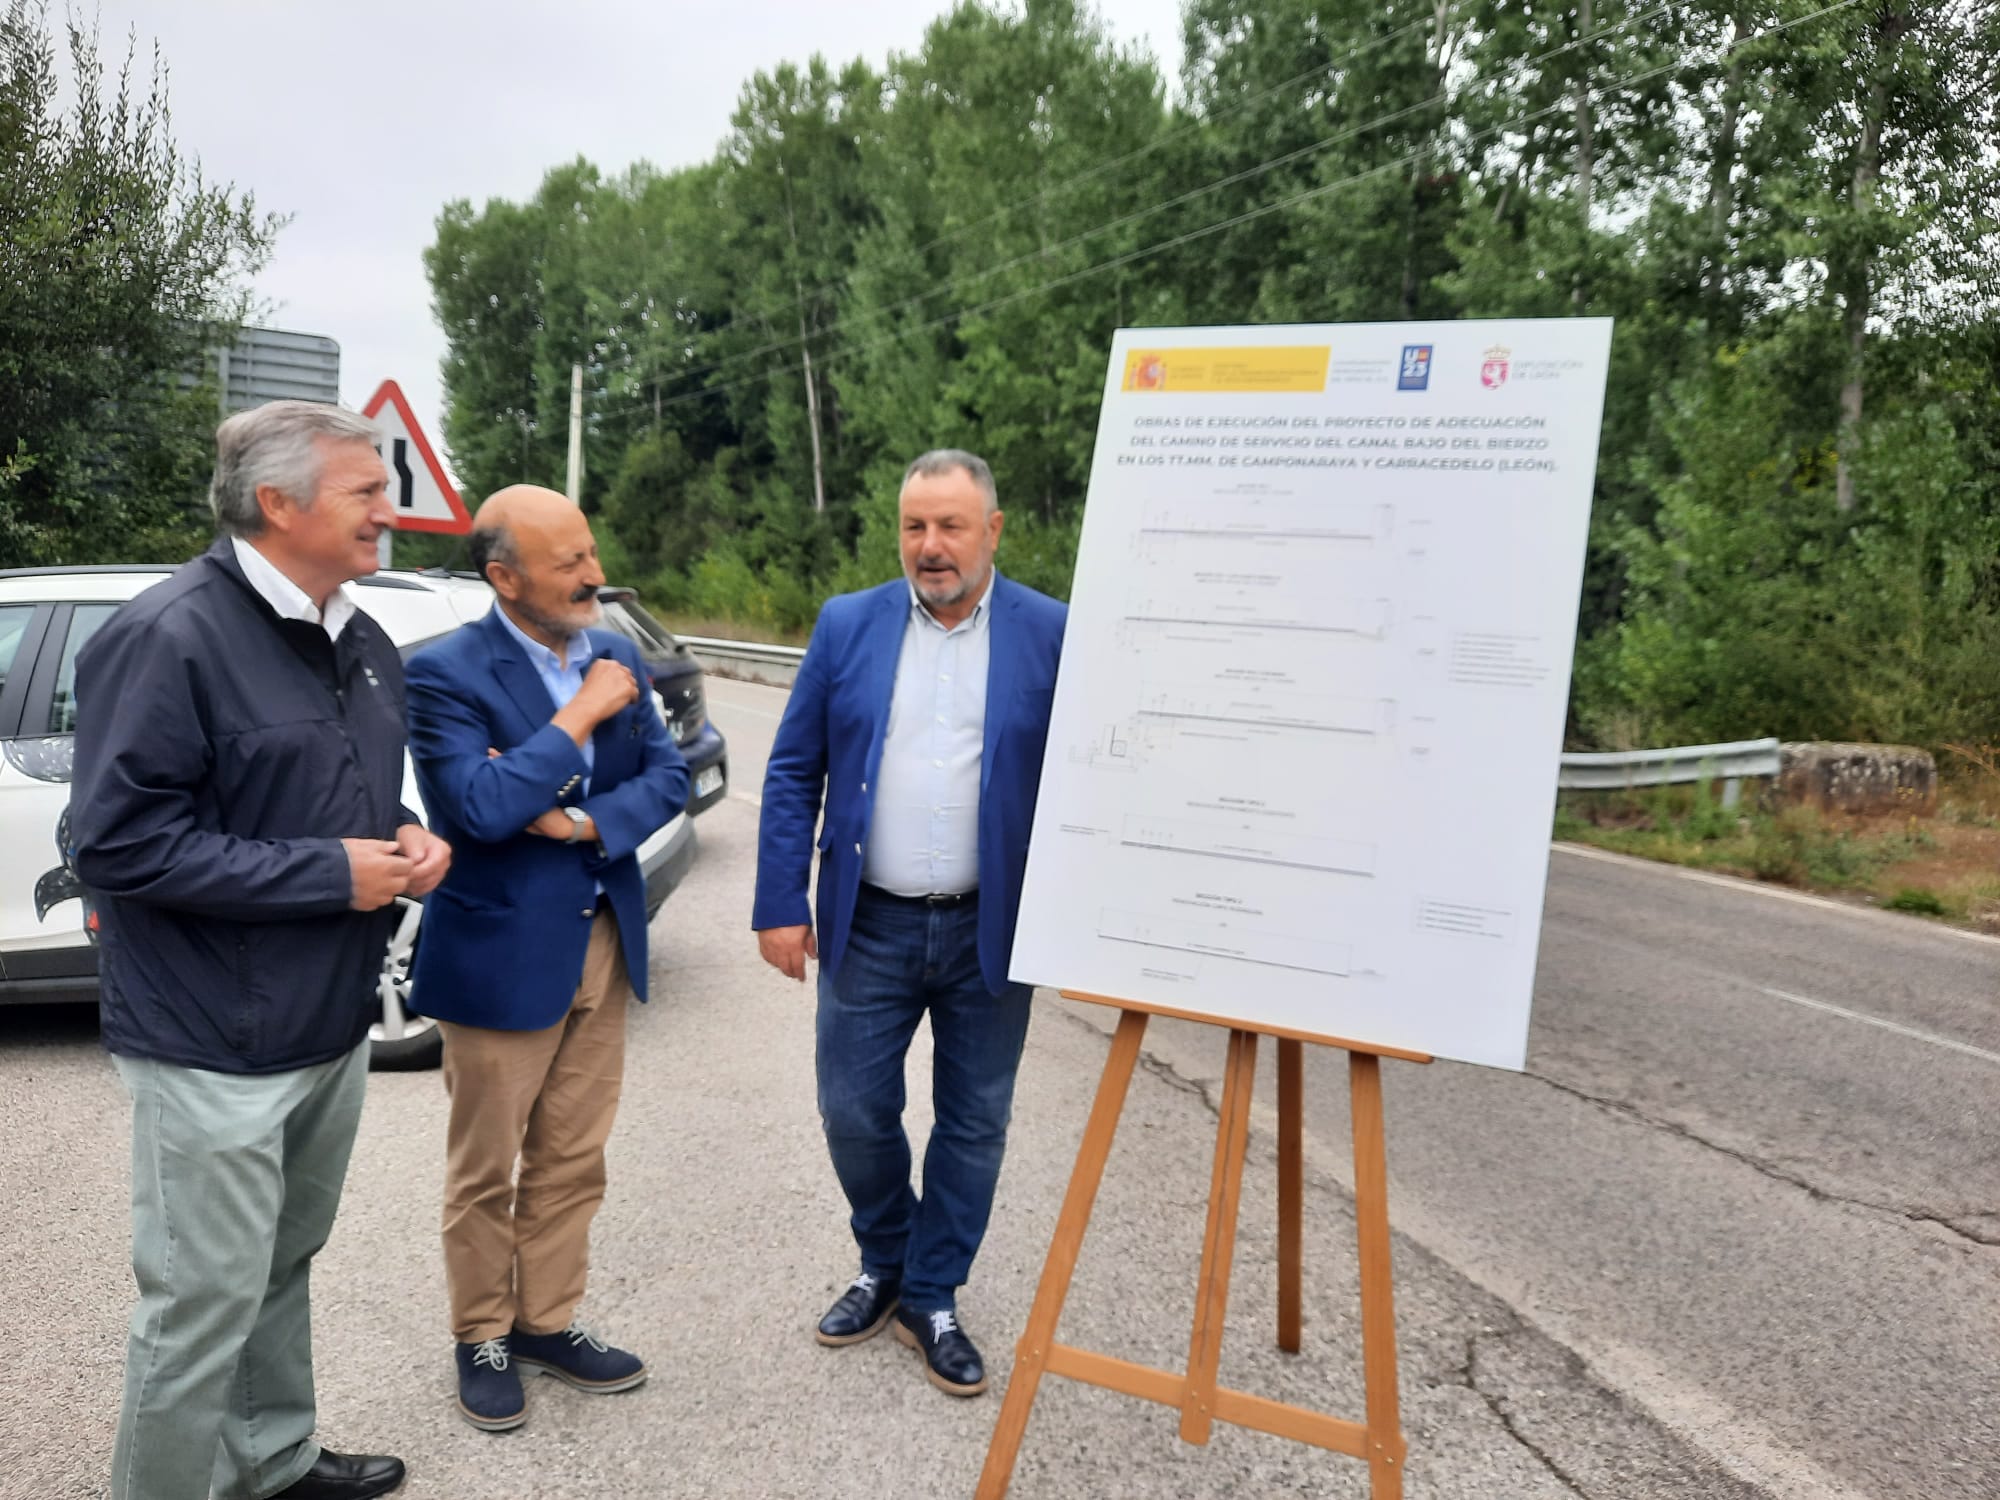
[{"x": 1947, "y": 867}]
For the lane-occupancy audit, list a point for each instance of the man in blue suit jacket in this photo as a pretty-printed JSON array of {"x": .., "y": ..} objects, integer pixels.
[
  {"x": 921, "y": 709},
  {"x": 539, "y": 749}
]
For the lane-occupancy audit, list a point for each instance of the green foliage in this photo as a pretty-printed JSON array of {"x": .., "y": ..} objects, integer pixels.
[
  {"x": 120, "y": 267},
  {"x": 1915, "y": 899},
  {"x": 1790, "y": 211}
]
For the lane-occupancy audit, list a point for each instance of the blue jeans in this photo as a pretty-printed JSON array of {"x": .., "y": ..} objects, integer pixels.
[{"x": 902, "y": 960}]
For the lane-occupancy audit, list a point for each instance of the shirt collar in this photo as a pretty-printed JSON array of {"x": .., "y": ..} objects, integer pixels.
[
  {"x": 974, "y": 622},
  {"x": 285, "y": 597},
  {"x": 576, "y": 655}
]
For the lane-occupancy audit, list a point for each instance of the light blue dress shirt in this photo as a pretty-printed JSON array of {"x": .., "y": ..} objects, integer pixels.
[
  {"x": 561, "y": 675},
  {"x": 923, "y": 836}
]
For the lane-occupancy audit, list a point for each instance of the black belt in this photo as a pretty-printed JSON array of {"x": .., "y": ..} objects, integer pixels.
[{"x": 936, "y": 898}]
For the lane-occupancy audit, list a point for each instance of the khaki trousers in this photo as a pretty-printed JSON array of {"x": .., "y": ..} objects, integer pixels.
[{"x": 516, "y": 1253}]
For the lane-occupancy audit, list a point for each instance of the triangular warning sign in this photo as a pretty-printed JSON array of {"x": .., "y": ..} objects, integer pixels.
[{"x": 424, "y": 499}]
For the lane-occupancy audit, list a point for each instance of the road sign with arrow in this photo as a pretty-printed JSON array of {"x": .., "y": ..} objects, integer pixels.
[{"x": 424, "y": 499}]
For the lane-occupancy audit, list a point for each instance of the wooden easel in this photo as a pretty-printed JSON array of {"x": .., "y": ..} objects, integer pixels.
[{"x": 1201, "y": 1402}]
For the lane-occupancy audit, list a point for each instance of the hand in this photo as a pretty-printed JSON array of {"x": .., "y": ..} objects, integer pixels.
[
  {"x": 786, "y": 949},
  {"x": 608, "y": 687},
  {"x": 429, "y": 856},
  {"x": 556, "y": 824},
  {"x": 380, "y": 871}
]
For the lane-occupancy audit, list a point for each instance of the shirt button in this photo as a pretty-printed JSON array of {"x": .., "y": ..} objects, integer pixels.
[
  {"x": 939, "y": 764},
  {"x": 590, "y": 911}
]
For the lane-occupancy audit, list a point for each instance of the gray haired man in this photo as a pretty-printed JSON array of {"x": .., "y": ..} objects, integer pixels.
[{"x": 239, "y": 754}]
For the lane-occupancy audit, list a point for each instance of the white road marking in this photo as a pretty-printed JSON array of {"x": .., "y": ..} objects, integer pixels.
[
  {"x": 750, "y": 797},
  {"x": 1867, "y": 1020},
  {"x": 1776, "y": 893}
]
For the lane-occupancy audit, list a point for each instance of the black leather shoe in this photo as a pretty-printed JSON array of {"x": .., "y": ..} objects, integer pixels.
[
  {"x": 342, "y": 1476},
  {"x": 950, "y": 1362},
  {"x": 861, "y": 1311}
]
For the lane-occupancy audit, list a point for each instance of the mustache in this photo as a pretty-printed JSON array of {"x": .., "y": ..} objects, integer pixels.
[{"x": 586, "y": 592}]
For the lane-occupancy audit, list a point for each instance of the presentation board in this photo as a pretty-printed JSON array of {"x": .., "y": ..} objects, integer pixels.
[{"x": 1302, "y": 762}]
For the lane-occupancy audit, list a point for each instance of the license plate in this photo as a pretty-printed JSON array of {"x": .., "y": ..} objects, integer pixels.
[{"x": 708, "y": 780}]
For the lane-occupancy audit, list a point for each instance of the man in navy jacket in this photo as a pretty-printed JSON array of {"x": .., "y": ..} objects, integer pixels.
[
  {"x": 920, "y": 711},
  {"x": 239, "y": 751},
  {"x": 543, "y": 758}
]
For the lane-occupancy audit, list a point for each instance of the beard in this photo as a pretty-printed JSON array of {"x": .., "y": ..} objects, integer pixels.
[
  {"x": 945, "y": 595},
  {"x": 583, "y": 613}
]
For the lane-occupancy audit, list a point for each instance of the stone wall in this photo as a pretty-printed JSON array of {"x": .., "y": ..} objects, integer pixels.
[{"x": 1864, "y": 779}]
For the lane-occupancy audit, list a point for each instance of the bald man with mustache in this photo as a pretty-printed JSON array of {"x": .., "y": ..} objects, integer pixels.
[{"x": 541, "y": 758}]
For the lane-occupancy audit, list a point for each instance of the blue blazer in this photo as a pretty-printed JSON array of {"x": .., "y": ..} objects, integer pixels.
[
  {"x": 831, "y": 738},
  {"x": 504, "y": 936}
]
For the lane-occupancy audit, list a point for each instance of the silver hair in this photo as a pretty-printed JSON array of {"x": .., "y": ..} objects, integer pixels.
[
  {"x": 944, "y": 460},
  {"x": 490, "y": 542},
  {"x": 277, "y": 444}
]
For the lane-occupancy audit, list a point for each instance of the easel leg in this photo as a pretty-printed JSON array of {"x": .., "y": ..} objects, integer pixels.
[
  {"x": 1232, "y": 1141},
  {"x": 1291, "y": 1190},
  {"x": 1378, "y": 1309},
  {"x": 1032, "y": 1352}
]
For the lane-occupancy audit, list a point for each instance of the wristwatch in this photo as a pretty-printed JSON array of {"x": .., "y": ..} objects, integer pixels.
[{"x": 577, "y": 818}]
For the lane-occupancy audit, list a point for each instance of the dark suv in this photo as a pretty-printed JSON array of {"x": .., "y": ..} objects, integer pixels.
[{"x": 677, "y": 678}]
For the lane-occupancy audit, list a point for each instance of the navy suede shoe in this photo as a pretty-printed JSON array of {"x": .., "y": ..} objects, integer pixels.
[
  {"x": 578, "y": 1356},
  {"x": 489, "y": 1387}
]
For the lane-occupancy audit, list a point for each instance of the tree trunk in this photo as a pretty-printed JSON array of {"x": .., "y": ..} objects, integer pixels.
[
  {"x": 1859, "y": 290},
  {"x": 1586, "y": 145},
  {"x": 805, "y": 357},
  {"x": 812, "y": 412},
  {"x": 1722, "y": 171}
]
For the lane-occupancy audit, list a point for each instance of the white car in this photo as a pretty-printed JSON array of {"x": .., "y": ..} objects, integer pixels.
[{"x": 48, "y": 941}]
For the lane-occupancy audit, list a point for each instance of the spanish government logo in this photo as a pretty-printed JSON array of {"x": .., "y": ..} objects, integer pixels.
[
  {"x": 1414, "y": 372},
  {"x": 1148, "y": 373},
  {"x": 1493, "y": 371}
]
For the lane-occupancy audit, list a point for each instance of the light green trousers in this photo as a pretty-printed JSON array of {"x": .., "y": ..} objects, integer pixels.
[{"x": 235, "y": 1180}]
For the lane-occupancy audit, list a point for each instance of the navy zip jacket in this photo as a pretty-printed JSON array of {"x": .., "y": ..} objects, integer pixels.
[{"x": 222, "y": 754}]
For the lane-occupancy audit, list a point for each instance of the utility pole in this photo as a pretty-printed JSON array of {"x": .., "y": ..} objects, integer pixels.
[{"x": 574, "y": 489}]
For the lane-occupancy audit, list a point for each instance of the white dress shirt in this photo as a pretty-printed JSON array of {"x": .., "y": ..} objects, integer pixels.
[
  {"x": 287, "y": 598},
  {"x": 923, "y": 836}
]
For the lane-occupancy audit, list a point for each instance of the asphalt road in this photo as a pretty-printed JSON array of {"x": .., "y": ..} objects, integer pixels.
[{"x": 1736, "y": 1233}]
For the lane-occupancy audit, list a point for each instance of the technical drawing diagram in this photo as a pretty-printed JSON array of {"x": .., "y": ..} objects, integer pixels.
[
  {"x": 1226, "y": 939},
  {"x": 1244, "y": 841}
]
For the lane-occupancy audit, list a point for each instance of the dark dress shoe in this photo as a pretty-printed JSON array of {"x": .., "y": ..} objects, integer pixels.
[
  {"x": 342, "y": 1476},
  {"x": 950, "y": 1362},
  {"x": 861, "y": 1311}
]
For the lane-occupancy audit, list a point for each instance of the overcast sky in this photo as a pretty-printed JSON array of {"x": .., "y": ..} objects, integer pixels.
[{"x": 362, "y": 119}]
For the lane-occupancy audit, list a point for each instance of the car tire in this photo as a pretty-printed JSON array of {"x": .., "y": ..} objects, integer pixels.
[{"x": 417, "y": 1043}]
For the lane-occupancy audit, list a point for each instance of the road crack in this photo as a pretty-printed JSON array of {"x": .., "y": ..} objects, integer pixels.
[
  {"x": 1468, "y": 1375},
  {"x": 1955, "y": 1225}
]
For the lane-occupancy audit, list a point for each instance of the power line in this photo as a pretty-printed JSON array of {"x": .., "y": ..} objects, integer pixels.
[
  {"x": 1233, "y": 221},
  {"x": 1057, "y": 189},
  {"x": 973, "y": 278}
]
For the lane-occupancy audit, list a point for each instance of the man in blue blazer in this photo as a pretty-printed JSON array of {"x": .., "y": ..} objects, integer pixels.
[
  {"x": 921, "y": 709},
  {"x": 538, "y": 747}
]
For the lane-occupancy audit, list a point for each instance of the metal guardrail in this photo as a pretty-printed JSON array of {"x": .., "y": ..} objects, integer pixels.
[
  {"x": 752, "y": 661},
  {"x": 1613, "y": 770},
  {"x": 1616, "y": 770}
]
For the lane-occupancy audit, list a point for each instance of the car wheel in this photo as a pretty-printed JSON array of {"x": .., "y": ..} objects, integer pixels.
[{"x": 400, "y": 1042}]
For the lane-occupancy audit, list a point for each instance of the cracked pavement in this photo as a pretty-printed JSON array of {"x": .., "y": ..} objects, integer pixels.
[{"x": 1715, "y": 1244}]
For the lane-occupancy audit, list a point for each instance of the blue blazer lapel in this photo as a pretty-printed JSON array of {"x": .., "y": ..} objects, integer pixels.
[
  {"x": 1001, "y": 660},
  {"x": 516, "y": 673}
]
